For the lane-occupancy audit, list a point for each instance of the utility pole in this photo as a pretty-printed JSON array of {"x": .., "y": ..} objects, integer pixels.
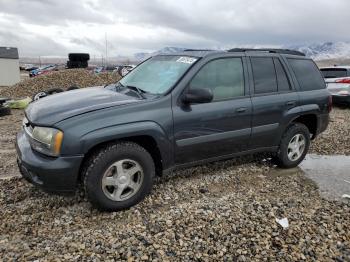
[
  {"x": 39, "y": 61},
  {"x": 106, "y": 49}
]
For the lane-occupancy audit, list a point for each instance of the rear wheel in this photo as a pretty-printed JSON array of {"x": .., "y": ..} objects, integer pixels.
[
  {"x": 294, "y": 146},
  {"x": 118, "y": 176}
]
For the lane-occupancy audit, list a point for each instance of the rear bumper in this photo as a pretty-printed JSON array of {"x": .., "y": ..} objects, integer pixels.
[
  {"x": 56, "y": 175},
  {"x": 341, "y": 99}
]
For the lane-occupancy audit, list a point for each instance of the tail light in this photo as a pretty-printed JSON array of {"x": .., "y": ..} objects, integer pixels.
[
  {"x": 343, "y": 81},
  {"x": 330, "y": 104}
]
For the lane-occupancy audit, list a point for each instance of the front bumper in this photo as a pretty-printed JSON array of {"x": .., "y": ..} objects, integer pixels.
[
  {"x": 57, "y": 175},
  {"x": 340, "y": 99}
]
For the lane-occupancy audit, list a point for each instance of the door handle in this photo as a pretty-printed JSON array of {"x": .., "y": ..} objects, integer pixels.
[
  {"x": 241, "y": 109},
  {"x": 291, "y": 103}
]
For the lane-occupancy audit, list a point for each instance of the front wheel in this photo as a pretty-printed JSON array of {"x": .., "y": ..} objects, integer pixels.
[
  {"x": 118, "y": 176},
  {"x": 293, "y": 147}
]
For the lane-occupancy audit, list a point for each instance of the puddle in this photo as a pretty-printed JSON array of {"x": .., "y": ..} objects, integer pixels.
[{"x": 330, "y": 173}]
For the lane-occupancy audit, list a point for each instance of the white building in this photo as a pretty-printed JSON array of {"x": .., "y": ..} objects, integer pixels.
[{"x": 9, "y": 66}]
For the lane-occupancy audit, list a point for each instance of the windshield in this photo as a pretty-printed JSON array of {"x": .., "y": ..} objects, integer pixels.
[{"x": 158, "y": 74}]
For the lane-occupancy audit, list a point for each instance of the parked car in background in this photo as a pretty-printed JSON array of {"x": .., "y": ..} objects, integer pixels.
[
  {"x": 338, "y": 83},
  {"x": 123, "y": 70},
  {"x": 173, "y": 111},
  {"x": 101, "y": 69},
  {"x": 29, "y": 67},
  {"x": 43, "y": 70}
]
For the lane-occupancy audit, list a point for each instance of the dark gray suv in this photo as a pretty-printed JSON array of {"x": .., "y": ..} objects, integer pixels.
[{"x": 173, "y": 111}]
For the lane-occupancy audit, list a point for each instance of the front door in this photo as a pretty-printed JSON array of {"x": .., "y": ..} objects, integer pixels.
[{"x": 220, "y": 127}]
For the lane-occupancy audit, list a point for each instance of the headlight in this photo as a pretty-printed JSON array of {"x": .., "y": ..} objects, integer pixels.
[{"x": 47, "y": 140}]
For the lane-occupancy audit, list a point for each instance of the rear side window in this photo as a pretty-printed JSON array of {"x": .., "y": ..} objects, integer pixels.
[
  {"x": 307, "y": 74},
  {"x": 282, "y": 79},
  {"x": 264, "y": 75},
  {"x": 334, "y": 72}
]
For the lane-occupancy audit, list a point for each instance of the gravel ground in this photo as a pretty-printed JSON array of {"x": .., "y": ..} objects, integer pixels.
[
  {"x": 336, "y": 139},
  {"x": 58, "y": 79},
  {"x": 221, "y": 211}
]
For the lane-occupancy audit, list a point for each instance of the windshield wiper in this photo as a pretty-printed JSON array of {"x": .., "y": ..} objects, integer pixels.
[{"x": 137, "y": 90}]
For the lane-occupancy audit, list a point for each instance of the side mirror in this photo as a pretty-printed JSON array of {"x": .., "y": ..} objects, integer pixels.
[{"x": 197, "y": 95}]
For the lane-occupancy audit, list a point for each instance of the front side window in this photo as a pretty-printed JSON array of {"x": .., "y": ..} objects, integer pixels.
[
  {"x": 264, "y": 74},
  {"x": 158, "y": 74},
  {"x": 224, "y": 77}
]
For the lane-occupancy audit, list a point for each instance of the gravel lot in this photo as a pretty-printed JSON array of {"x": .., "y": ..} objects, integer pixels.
[{"x": 221, "y": 211}]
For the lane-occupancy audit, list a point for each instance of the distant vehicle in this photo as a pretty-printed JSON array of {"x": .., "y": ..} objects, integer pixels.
[
  {"x": 43, "y": 70},
  {"x": 100, "y": 69},
  {"x": 123, "y": 70},
  {"x": 338, "y": 83},
  {"x": 173, "y": 111},
  {"x": 29, "y": 67}
]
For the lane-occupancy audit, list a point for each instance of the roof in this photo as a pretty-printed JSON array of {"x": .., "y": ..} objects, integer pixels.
[{"x": 9, "y": 52}]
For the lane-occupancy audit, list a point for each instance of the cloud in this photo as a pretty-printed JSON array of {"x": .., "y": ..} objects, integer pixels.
[{"x": 57, "y": 27}]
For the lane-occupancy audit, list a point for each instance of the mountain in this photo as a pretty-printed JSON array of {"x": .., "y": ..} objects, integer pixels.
[
  {"x": 165, "y": 50},
  {"x": 324, "y": 51},
  {"x": 317, "y": 51}
]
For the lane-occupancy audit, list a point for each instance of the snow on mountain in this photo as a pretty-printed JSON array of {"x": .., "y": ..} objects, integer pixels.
[
  {"x": 317, "y": 51},
  {"x": 165, "y": 50},
  {"x": 326, "y": 50}
]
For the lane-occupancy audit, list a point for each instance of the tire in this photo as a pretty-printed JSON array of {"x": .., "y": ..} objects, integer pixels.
[
  {"x": 72, "y": 88},
  {"x": 52, "y": 91},
  {"x": 77, "y": 64},
  {"x": 79, "y": 57},
  {"x": 95, "y": 173},
  {"x": 4, "y": 111},
  {"x": 286, "y": 156}
]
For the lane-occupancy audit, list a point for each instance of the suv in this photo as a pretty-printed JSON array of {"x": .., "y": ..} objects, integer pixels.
[
  {"x": 173, "y": 111},
  {"x": 338, "y": 83}
]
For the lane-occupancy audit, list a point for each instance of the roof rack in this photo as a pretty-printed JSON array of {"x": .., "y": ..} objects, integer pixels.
[
  {"x": 200, "y": 50},
  {"x": 268, "y": 50}
]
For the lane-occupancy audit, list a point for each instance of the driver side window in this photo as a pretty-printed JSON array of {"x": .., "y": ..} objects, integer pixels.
[{"x": 224, "y": 77}]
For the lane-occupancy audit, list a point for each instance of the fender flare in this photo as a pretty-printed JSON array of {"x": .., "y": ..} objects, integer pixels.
[{"x": 135, "y": 129}]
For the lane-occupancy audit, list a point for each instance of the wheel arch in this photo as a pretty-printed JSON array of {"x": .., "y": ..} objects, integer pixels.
[
  {"x": 149, "y": 135},
  {"x": 309, "y": 120}
]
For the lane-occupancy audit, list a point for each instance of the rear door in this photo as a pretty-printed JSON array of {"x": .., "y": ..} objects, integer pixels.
[
  {"x": 218, "y": 128},
  {"x": 273, "y": 96}
]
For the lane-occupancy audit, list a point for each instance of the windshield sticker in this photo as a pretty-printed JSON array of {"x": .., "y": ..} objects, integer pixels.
[{"x": 187, "y": 60}]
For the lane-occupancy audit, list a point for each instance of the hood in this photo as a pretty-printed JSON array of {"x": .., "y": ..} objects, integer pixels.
[{"x": 54, "y": 108}]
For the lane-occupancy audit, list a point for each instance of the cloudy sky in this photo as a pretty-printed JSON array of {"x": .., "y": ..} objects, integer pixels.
[{"x": 56, "y": 27}]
